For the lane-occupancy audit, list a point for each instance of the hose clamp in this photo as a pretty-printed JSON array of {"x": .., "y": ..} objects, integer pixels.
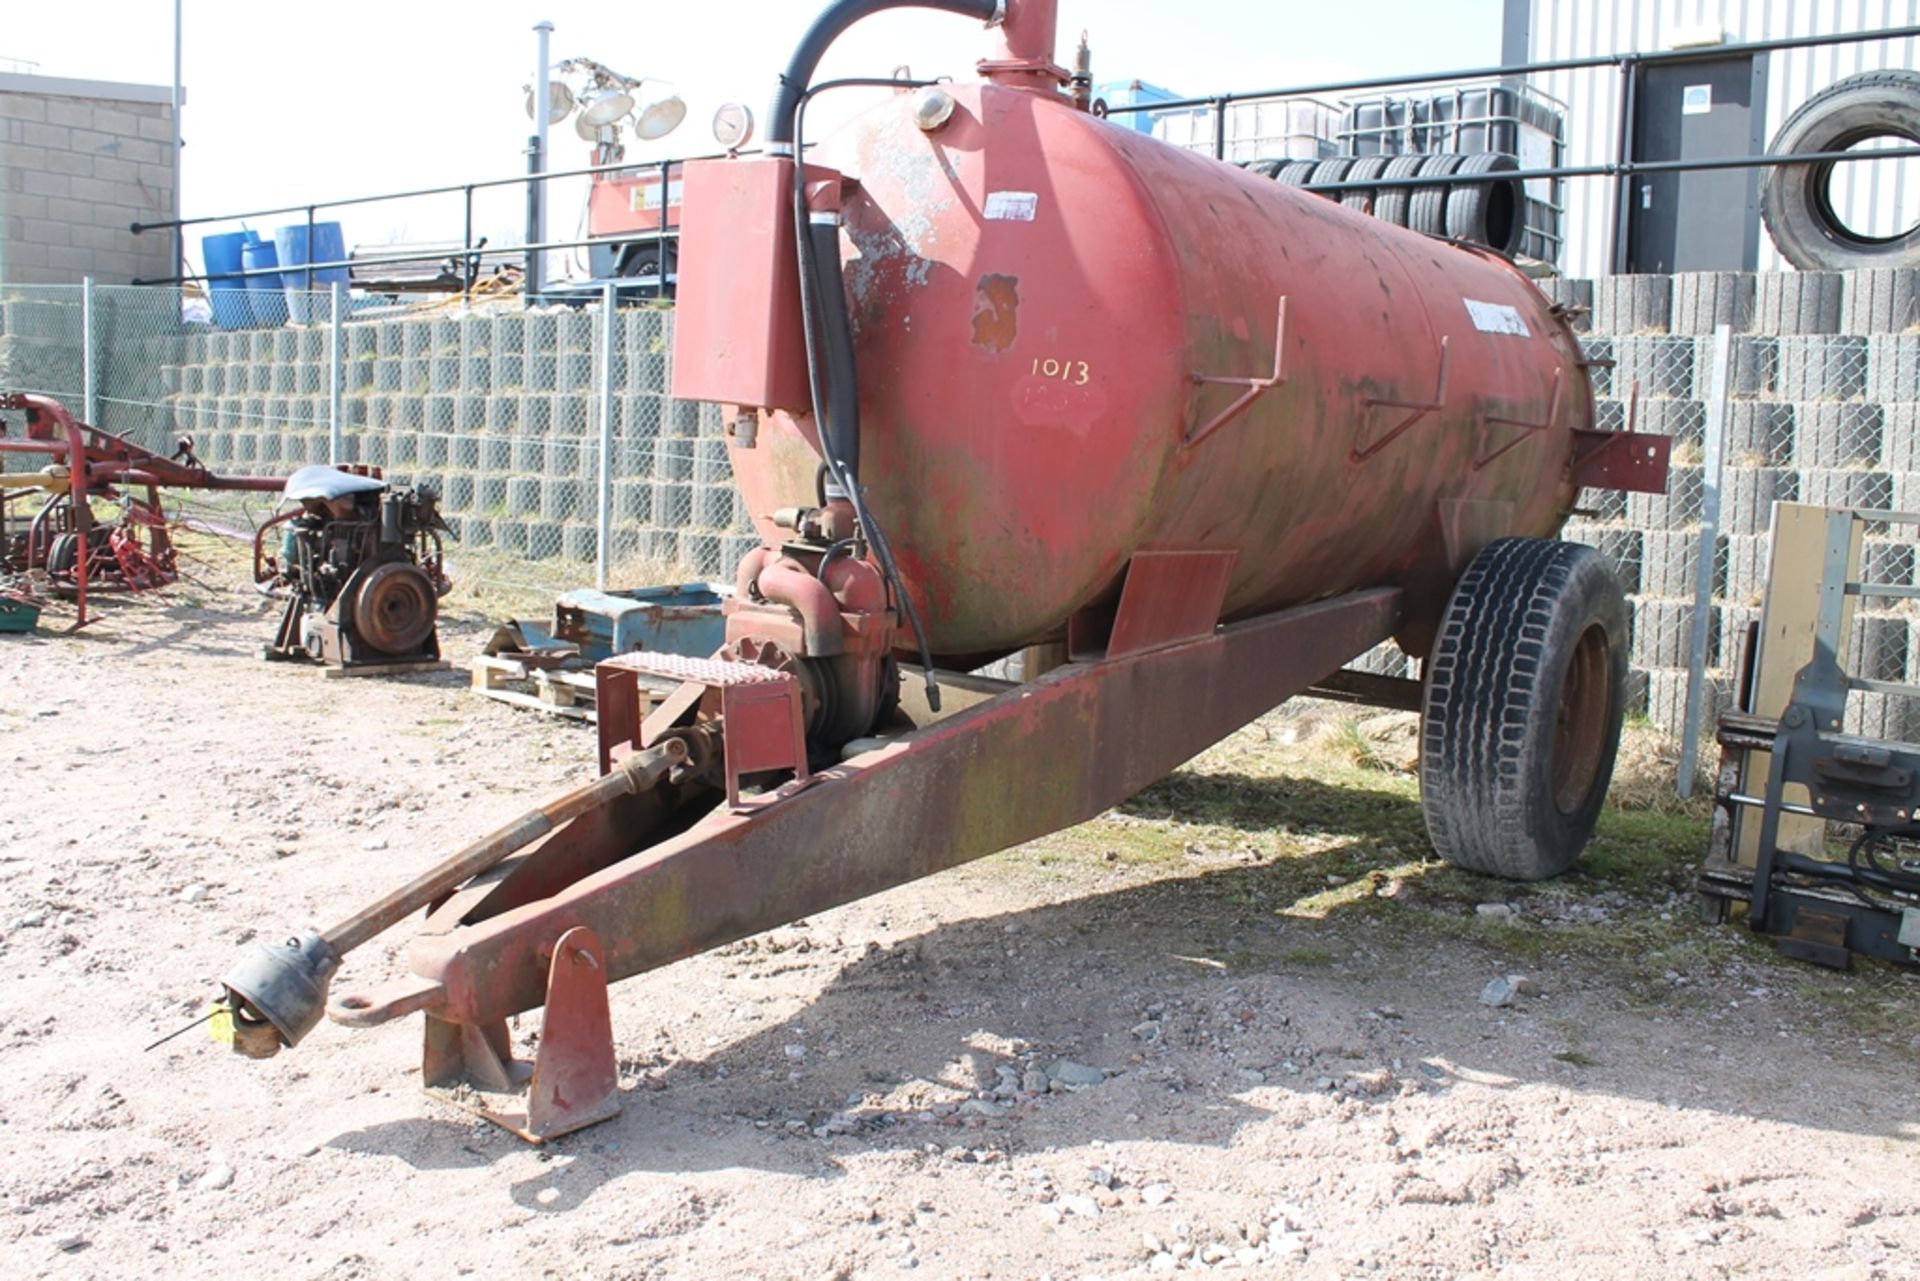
[{"x": 999, "y": 18}]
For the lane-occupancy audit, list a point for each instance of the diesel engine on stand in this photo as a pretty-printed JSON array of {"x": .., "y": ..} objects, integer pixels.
[{"x": 361, "y": 563}]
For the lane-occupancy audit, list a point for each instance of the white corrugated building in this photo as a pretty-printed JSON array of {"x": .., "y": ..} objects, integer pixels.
[{"x": 1875, "y": 198}]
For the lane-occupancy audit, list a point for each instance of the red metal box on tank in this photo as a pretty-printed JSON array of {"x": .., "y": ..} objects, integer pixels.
[{"x": 737, "y": 330}]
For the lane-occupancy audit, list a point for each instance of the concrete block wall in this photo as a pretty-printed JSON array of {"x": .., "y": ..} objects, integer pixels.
[
  {"x": 498, "y": 410},
  {"x": 80, "y": 160},
  {"x": 1825, "y": 408}
]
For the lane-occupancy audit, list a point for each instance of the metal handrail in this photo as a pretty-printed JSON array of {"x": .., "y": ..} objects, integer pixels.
[
  {"x": 1619, "y": 169},
  {"x": 388, "y": 260},
  {"x": 1429, "y": 180},
  {"x": 1513, "y": 71},
  {"x": 622, "y": 166}
]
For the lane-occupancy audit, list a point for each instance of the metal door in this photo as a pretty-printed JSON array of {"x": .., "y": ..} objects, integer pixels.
[{"x": 1705, "y": 220}]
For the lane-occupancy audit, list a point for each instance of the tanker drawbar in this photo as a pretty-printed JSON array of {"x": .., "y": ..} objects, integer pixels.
[{"x": 1001, "y": 377}]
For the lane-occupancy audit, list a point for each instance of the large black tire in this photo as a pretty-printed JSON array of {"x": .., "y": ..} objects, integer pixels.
[
  {"x": 1427, "y": 214},
  {"x": 1489, "y": 213},
  {"x": 643, "y": 258},
  {"x": 1392, "y": 202},
  {"x": 1295, "y": 173},
  {"x": 1334, "y": 170},
  {"x": 1268, "y": 168},
  {"x": 1364, "y": 169},
  {"x": 63, "y": 555},
  {"x": 1520, "y": 722},
  {"x": 1797, "y": 205}
]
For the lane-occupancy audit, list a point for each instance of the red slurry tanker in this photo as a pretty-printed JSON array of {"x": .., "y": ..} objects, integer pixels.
[{"x": 1002, "y": 376}]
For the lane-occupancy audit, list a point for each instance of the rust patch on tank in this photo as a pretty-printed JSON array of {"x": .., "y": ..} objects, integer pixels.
[{"x": 996, "y": 312}]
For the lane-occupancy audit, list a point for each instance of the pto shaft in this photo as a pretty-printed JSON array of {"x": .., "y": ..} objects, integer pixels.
[{"x": 278, "y": 991}]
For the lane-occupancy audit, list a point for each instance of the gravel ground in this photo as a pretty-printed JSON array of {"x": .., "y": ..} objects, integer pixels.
[{"x": 1109, "y": 1054}]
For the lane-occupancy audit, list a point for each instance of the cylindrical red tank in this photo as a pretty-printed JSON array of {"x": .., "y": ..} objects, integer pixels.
[{"x": 1038, "y": 297}]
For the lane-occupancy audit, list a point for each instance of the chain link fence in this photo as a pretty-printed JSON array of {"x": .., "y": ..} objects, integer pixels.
[
  {"x": 562, "y": 460},
  {"x": 546, "y": 432},
  {"x": 1823, "y": 419}
]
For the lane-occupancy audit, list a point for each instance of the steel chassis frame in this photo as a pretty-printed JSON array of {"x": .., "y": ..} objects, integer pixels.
[{"x": 601, "y": 900}]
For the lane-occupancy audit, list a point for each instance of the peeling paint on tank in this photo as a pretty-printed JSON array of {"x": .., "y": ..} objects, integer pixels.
[
  {"x": 996, "y": 312},
  {"x": 906, "y": 237}
]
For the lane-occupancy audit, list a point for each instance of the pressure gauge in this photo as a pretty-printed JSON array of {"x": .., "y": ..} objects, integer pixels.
[{"x": 732, "y": 126}]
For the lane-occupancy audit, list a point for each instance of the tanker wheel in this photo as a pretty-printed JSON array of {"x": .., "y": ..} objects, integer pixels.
[
  {"x": 1524, "y": 696},
  {"x": 395, "y": 608}
]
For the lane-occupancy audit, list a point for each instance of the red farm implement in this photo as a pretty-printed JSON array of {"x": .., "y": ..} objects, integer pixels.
[{"x": 50, "y": 516}]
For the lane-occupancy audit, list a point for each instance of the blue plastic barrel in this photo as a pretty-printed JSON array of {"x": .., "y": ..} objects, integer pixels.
[
  {"x": 329, "y": 245},
  {"x": 222, "y": 255},
  {"x": 266, "y": 295}
]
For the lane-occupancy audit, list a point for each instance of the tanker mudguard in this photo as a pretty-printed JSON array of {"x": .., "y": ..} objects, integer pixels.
[{"x": 738, "y": 334}]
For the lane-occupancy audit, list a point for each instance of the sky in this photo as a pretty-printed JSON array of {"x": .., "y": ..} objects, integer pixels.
[{"x": 287, "y": 104}]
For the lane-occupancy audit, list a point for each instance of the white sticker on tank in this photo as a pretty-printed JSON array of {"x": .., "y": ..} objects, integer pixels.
[
  {"x": 1011, "y": 206},
  {"x": 1496, "y": 318}
]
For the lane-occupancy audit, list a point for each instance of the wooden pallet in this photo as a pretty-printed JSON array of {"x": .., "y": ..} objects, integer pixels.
[
  {"x": 564, "y": 691},
  {"x": 332, "y": 673}
]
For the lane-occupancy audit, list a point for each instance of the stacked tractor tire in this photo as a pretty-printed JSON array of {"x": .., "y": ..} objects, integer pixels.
[{"x": 1478, "y": 203}]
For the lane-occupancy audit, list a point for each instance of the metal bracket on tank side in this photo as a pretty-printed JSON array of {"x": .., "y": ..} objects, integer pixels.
[
  {"x": 1255, "y": 387},
  {"x": 1420, "y": 409},
  {"x": 1629, "y": 459},
  {"x": 1526, "y": 428}
]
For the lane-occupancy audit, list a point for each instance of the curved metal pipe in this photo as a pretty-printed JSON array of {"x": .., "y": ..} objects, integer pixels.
[
  {"x": 825, "y": 30},
  {"x": 748, "y": 573},
  {"x": 784, "y": 583}
]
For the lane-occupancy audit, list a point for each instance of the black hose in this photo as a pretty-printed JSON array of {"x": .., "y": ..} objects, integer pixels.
[
  {"x": 813, "y": 318},
  {"x": 842, "y": 548},
  {"x": 841, "y": 427},
  {"x": 781, "y": 125}
]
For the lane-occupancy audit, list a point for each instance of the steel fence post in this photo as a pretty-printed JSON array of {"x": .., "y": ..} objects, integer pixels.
[
  {"x": 604, "y": 498},
  {"x": 1715, "y": 431},
  {"x": 89, "y": 375},
  {"x": 336, "y": 364}
]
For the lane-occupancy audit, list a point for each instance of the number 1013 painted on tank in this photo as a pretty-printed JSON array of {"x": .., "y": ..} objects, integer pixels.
[{"x": 1077, "y": 372}]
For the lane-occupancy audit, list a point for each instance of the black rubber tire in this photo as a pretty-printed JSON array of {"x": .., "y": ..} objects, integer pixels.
[
  {"x": 1492, "y": 213},
  {"x": 1512, "y": 778},
  {"x": 1797, "y": 205},
  {"x": 1427, "y": 214},
  {"x": 1295, "y": 173},
  {"x": 1392, "y": 202},
  {"x": 1334, "y": 170},
  {"x": 63, "y": 554},
  {"x": 1268, "y": 168},
  {"x": 642, "y": 258},
  {"x": 1365, "y": 168}
]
